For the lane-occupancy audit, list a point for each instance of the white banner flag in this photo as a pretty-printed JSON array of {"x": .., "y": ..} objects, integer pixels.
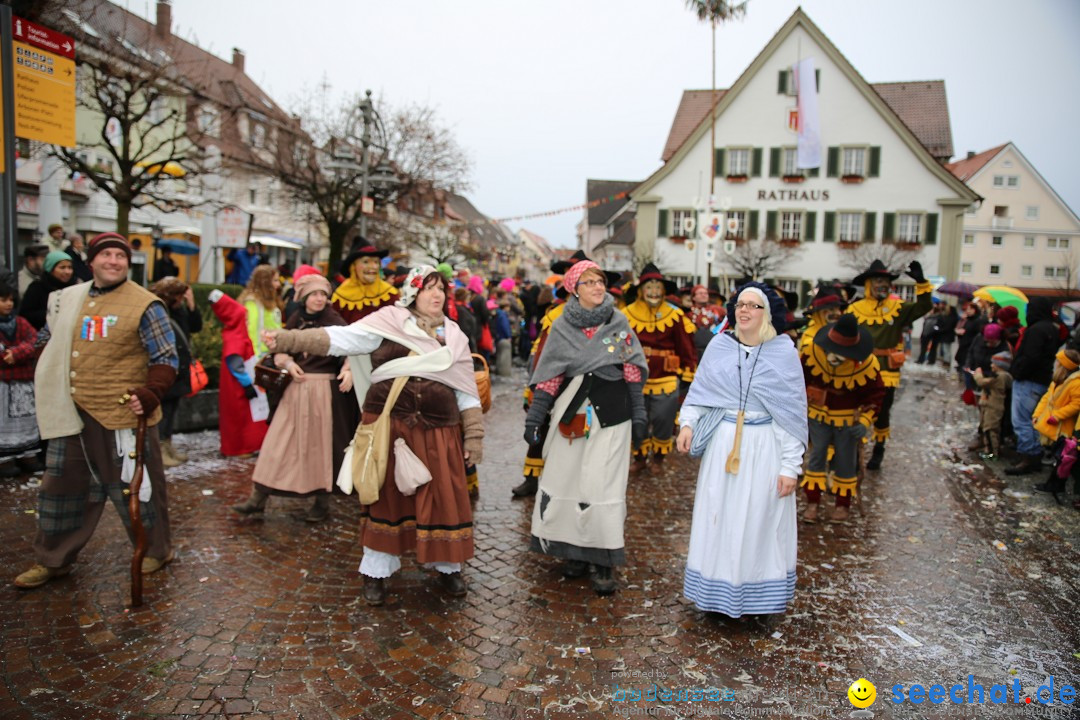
[{"x": 809, "y": 144}]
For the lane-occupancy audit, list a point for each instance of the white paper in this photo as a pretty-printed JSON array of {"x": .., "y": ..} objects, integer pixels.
[{"x": 260, "y": 406}]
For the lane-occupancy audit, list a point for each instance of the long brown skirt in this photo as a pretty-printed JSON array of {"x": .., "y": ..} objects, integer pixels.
[{"x": 436, "y": 522}]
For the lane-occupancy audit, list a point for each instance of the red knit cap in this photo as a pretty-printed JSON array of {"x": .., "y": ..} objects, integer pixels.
[{"x": 570, "y": 279}]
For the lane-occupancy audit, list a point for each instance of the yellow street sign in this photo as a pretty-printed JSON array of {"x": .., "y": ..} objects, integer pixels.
[{"x": 44, "y": 69}]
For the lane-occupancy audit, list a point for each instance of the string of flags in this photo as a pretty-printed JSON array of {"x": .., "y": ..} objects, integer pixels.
[{"x": 586, "y": 206}]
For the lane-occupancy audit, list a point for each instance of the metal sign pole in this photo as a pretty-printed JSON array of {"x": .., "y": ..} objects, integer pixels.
[{"x": 7, "y": 182}]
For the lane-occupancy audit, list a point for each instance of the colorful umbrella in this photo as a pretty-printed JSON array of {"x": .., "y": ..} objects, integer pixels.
[
  {"x": 553, "y": 279},
  {"x": 1004, "y": 296},
  {"x": 959, "y": 288}
]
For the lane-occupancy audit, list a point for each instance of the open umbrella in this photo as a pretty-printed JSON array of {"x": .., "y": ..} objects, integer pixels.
[
  {"x": 959, "y": 288},
  {"x": 1004, "y": 296},
  {"x": 552, "y": 279},
  {"x": 180, "y": 247}
]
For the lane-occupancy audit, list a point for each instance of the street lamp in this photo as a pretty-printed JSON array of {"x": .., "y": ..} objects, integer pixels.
[{"x": 384, "y": 176}]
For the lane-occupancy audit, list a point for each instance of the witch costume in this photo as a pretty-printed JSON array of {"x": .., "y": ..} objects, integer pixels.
[
  {"x": 588, "y": 382},
  {"x": 746, "y": 403}
]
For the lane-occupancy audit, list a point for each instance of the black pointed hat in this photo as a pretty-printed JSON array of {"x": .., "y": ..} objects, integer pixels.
[
  {"x": 651, "y": 272},
  {"x": 360, "y": 248},
  {"x": 825, "y": 298},
  {"x": 847, "y": 338},
  {"x": 876, "y": 269}
]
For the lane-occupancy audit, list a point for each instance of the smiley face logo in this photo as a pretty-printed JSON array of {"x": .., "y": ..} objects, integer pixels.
[{"x": 862, "y": 693}]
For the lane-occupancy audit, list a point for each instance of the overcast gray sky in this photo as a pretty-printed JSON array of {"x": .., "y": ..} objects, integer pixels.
[{"x": 546, "y": 94}]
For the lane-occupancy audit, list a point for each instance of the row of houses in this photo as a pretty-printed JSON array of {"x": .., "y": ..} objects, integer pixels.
[
  {"x": 242, "y": 135},
  {"x": 885, "y": 188}
]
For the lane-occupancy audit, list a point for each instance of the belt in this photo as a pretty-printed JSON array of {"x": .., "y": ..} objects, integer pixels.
[{"x": 651, "y": 352}]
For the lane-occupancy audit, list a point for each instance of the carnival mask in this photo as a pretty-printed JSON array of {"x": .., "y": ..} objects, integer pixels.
[
  {"x": 366, "y": 269},
  {"x": 653, "y": 292}
]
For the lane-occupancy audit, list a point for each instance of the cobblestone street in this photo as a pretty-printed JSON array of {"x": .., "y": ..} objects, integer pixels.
[{"x": 264, "y": 617}]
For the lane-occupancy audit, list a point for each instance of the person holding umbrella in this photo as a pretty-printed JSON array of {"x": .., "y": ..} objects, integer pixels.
[{"x": 165, "y": 267}]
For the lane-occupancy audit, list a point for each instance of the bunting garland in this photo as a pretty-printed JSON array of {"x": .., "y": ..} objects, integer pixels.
[{"x": 587, "y": 206}]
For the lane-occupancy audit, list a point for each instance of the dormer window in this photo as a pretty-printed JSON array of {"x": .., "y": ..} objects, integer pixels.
[{"x": 209, "y": 121}]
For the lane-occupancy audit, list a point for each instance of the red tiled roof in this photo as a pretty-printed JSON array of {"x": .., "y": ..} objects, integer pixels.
[
  {"x": 693, "y": 108},
  {"x": 919, "y": 105},
  {"x": 967, "y": 167}
]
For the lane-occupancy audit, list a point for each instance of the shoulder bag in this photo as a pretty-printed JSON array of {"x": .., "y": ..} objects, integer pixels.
[{"x": 370, "y": 449}]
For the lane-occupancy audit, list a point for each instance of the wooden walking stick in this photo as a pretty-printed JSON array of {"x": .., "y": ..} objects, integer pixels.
[{"x": 134, "y": 512}]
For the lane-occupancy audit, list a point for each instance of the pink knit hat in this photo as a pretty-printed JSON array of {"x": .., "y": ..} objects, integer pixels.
[
  {"x": 476, "y": 284},
  {"x": 303, "y": 270},
  {"x": 508, "y": 284},
  {"x": 570, "y": 279}
]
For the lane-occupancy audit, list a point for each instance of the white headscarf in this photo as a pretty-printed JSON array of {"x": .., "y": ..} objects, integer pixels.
[{"x": 414, "y": 283}]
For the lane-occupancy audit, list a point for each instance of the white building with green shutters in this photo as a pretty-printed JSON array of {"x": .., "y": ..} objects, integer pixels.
[{"x": 882, "y": 189}]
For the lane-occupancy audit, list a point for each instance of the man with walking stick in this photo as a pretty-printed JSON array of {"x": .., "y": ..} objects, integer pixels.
[{"x": 110, "y": 357}]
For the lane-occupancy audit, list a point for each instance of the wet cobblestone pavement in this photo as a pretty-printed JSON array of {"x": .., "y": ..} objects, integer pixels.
[{"x": 262, "y": 618}]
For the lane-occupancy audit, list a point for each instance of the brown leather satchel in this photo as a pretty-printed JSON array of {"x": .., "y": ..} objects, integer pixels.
[{"x": 573, "y": 429}]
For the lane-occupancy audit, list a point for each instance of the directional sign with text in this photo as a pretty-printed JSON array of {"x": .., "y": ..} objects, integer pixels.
[{"x": 44, "y": 62}]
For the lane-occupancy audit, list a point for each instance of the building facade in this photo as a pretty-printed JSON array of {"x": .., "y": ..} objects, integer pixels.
[
  {"x": 881, "y": 187},
  {"x": 1022, "y": 233}
]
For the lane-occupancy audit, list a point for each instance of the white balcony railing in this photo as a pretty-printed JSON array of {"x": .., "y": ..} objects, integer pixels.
[{"x": 1001, "y": 223}]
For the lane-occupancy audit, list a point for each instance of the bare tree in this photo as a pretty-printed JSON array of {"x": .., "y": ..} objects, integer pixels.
[
  {"x": 146, "y": 151},
  {"x": 423, "y": 150},
  {"x": 896, "y": 257},
  {"x": 1067, "y": 284},
  {"x": 760, "y": 257}
]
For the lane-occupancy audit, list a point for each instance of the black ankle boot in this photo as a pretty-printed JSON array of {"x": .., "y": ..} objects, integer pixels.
[
  {"x": 374, "y": 591},
  {"x": 453, "y": 584},
  {"x": 603, "y": 581},
  {"x": 254, "y": 504},
  {"x": 527, "y": 488},
  {"x": 1028, "y": 464},
  {"x": 876, "y": 456},
  {"x": 1052, "y": 485}
]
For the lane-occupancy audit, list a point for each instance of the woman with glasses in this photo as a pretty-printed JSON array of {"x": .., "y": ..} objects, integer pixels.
[
  {"x": 745, "y": 416},
  {"x": 588, "y": 379}
]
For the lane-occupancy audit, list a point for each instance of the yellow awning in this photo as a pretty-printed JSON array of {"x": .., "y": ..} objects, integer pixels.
[{"x": 170, "y": 168}]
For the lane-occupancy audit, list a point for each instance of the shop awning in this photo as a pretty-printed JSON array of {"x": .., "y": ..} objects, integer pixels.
[{"x": 281, "y": 241}]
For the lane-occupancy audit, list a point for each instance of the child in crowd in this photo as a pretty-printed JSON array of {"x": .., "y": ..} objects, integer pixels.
[
  {"x": 994, "y": 381},
  {"x": 19, "y": 439},
  {"x": 1055, "y": 415}
]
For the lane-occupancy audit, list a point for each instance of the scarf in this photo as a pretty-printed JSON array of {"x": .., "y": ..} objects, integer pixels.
[
  {"x": 569, "y": 352},
  {"x": 7, "y": 326},
  {"x": 777, "y": 387}
]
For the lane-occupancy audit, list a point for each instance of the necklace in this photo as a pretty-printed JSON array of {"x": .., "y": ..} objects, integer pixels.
[{"x": 732, "y": 464}]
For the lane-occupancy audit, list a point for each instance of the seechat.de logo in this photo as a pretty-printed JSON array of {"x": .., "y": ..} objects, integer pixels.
[{"x": 974, "y": 693}]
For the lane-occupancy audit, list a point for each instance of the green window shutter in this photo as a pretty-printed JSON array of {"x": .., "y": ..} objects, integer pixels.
[
  {"x": 888, "y": 230},
  {"x": 755, "y": 163},
  {"x": 817, "y": 79},
  {"x": 833, "y": 162},
  {"x": 931, "y": 229},
  {"x": 770, "y": 224},
  {"x": 875, "y": 161},
  {"x": 811, "y": 227},
  {"x": 830, "y": 227},
  {"x": 774, "y": 162},
  {"x": 781, "y": 85},
  {"x": 663, "y": 231},
  {"x": 751, "y": 230},
  {"x": 719, "y": 159},
  {"x": 869, "y": 226},
  {"x": 813, "y": 172}
]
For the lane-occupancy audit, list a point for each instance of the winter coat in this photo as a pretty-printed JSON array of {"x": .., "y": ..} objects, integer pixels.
[
  {"x": 239, "y": 433},
  {"x": 35, "y": 302},
  {"x": 1033, "y": 359},
  {"x": 946, "y": 325},
  {"x": 1061, "y": 402},
  {"x": 994, "y": 389}
]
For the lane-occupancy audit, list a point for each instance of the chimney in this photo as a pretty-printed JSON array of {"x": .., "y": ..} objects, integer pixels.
[
  {"x": 971, "y": 154},
  {"x": 163, "y": 28},
  {"x": 238, "y": 59}
]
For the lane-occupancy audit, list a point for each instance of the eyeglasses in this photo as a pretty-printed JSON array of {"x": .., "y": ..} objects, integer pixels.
[
  {"x": 748, "y": 306},
  {"x": 591, "y": 283}
]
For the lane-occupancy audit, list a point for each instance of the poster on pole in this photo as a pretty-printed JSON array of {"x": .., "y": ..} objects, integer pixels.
[{"x": 233, "y": 227}]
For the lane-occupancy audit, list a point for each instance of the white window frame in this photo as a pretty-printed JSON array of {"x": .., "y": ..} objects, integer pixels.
[
  {"x": 792, "y": 223},
  {"x": 677, "y": 216},
  {"x": 1048, "y": 271},
  {"x": 1031, "y": 212},
  {"x": 1026, "y": 271},
  {"x": 849, "y": 226},
  {"x": 1057, "y": 243},
  {"x": 969, "y": 239},
  {"x": 966, "y": 268},
  {"x": 789, "y": 162},
  {"x": 853, "y": 160},
  {"x": 993, "y": 272},
  {"x": 745, "y": 154},
  {"x": 741, "y": 217},
  {"x": 1029, "y": 242},
  {"x": 909, "y": 227},
  {"x": 997, "y": 240},
  {"x": 999, "y": 181},
  {"x": 1012, "y": 182},
  {"x": 258, "y": 135}
]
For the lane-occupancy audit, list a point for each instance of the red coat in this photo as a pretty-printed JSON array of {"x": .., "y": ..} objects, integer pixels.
[
  {"x": 22, "y": 349},
  {"x": 239, "y": 434}
]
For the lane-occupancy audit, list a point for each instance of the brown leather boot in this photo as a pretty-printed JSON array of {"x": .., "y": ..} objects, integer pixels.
[{"x": 256, "y": 503}]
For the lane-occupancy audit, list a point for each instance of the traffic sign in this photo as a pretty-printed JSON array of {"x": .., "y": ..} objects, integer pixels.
[{"x": 44, "y": 88}]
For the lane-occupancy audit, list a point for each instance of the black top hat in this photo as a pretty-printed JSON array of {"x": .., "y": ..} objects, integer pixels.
[
  {"x": 876, "y": 269},
  {"x": 651, "y": 272},
  {"x": 360, "y": 248},
  {"x": 561, "y": 266},
  {"x": 825, "y": 299},
  {"x": 791, "y": 299},
  {"x": 847, "y": 338}
]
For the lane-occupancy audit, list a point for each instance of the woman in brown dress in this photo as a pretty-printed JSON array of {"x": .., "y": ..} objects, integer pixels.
[
  {"x": 437, "y": 415},
  {"x": 302, "y": 451}
]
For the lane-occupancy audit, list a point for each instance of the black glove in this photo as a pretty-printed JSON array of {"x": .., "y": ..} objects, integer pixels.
[
  {"x": 639, "y": 421},
  {"x": 914, "y": 270},
  {"x": 251, "y": 392},
  {"x": 861, "y": 431},
  {"x": 538, "y": 412}
]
